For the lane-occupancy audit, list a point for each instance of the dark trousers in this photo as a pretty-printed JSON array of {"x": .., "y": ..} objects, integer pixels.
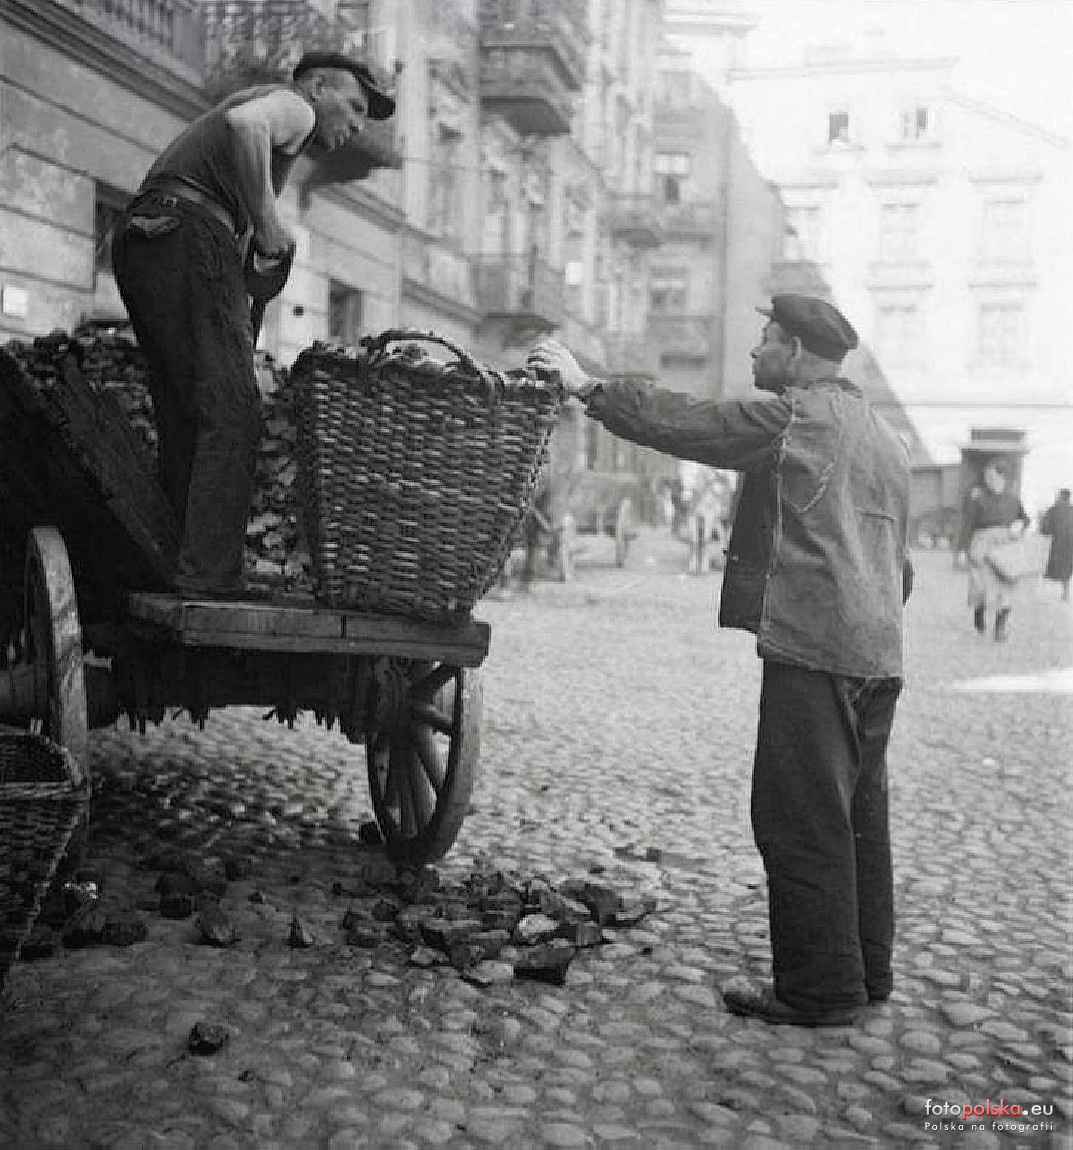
[
  {"x": 181, "y": 278},
  {"x": 820, "y": 820}
]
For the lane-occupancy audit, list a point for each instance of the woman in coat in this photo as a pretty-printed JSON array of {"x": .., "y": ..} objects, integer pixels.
[
  {"x": 1057, "y": 522},
  {"x": 993, "y": 515}
]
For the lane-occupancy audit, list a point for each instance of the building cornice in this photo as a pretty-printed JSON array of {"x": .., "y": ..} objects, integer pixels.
[
  {"x": 420, "y": 293},
  {"x": 1006, "y": 176},
  {"x": 900, "y": 178},
  {"x": 350, "y": 195},
  {"x": 86, "y": 44},
  {"x": 808, "y": 181},
  {"x": 853, "y": 66}
]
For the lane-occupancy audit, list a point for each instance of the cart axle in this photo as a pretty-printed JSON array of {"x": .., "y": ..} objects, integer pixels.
[{"x": 24, "y": 697}]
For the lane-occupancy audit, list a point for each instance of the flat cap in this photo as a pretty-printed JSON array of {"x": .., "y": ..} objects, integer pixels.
[
  {"x": 381, "y": 105},
  {"x": 821, "y": 328}
]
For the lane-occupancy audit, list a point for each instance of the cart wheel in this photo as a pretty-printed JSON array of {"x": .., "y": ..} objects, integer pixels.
[
  {"x": 623, "y": 531},
  {"x": 565, "y": 545},
  {"x": 54, "y": 643},
  {"x": 423, "y": 767}
]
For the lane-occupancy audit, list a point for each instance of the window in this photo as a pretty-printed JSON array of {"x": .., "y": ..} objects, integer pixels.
[
  {"x": 1005, "y": 231},
  {"x": 804, "y": 233},
  {"x": 592, "y": 444},
  {"x": 444, "y": 208},
  {"x": 838, "y": 128},
  {"x": 668, "y": 292},
  {"x": 898, "y": 226},
  {"x": 899, "y": 339},
  {"x": 496, "y": 215},
  {"x": 345, "y": 307},
  {"x": 916, "y": 124},
  {"x": 672, "y": 171},
  {"x": 1001, "y": 334},
  {"x": 676, "y": 89}
]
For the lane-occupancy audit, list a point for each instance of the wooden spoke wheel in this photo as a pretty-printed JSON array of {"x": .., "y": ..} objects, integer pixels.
[
  {"x": 422, "y": 762},
  {"x": 623, "y": 531},
  {"x": 54, "y": 644}
]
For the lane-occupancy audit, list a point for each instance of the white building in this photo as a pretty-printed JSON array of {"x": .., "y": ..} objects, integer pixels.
[{"x": 943, "y": 228}]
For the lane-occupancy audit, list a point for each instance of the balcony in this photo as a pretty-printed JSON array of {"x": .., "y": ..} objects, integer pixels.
[
  {"x": 430, "y": 268},
  {"x": 532, "y": 61},
  {"x": 521, "y": 289},
  {"x": 251, "y": 42},
  {"x": 680, "y": 337},
  {"x": 631, "y": 355},
  {"x": 375, "y": 146},
  {"x": 165, "y": 31},
  {"x": 168, "y": 27},
  {"x": 689, "y": 219},
  {"x": 524, "y": 90},
  {"x": 635, "y": 219}
]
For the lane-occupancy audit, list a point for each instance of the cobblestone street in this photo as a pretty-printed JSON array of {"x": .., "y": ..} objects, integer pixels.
[{"x": 616, "y": 741}]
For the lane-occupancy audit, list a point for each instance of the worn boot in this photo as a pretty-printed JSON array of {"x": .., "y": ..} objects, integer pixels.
[
  {"x": 979, "y": 620},
  {"x": 1000, "y": 625}
]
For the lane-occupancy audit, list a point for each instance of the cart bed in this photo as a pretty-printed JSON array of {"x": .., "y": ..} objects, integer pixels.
[{"x": 285, "y": 627}]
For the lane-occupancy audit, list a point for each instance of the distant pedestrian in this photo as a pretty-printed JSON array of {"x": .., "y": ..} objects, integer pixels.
[
  {"x": 1057, "y": 522},
  {"x": 817, "y": 570},
  {"x": 993, "y": 515}
]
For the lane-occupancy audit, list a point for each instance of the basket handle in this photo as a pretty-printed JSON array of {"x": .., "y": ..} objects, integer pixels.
[{"x": 377, "y": 344}]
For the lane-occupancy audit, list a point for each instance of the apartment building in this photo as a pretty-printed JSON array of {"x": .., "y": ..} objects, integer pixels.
[
  {"x": 721, "y": 226},
  {"x": 526, "y": 184},
  {"x": 941, "y": 225}
]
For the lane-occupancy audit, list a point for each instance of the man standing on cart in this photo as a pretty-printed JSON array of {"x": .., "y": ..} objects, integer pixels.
[
  {"x": 816, "y": 568},
  {"x": 201, "y": 235}
]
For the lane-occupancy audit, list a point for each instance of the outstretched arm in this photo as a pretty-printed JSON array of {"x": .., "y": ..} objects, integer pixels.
[{"x": 737, "y": 434}]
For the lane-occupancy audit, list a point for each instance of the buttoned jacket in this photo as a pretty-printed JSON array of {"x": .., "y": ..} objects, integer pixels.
[{"x": 816, "y": 554}]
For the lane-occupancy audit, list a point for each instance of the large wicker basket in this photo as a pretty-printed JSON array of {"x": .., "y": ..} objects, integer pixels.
[
  {"x": 415, "y": 474},
  {"x": 40, "y": 809}
]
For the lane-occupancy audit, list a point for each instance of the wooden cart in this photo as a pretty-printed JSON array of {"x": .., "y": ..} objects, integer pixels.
[
  {"x": 408, "y": 691},
  {"x": 75, "y": 495}
]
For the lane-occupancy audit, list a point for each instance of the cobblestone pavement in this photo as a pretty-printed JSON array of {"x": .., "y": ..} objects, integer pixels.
[{"x": 617, "y": 738}]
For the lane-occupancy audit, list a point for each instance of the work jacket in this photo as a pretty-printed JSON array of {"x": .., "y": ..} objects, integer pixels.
[{"x": 816, "y": 559}]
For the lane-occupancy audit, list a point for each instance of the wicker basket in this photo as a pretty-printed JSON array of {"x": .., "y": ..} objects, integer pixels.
[
  {"x": 415, "y": 474},
  {"x": 40, "y": 809}
]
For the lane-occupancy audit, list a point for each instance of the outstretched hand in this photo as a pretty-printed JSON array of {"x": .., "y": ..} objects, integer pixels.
[{"x": 551, "y": 360}]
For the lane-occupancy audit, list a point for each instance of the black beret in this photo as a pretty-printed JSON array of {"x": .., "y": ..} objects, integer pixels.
[
  {"x": 381, "y": 105},
  {"x": 821, "y": 328}
]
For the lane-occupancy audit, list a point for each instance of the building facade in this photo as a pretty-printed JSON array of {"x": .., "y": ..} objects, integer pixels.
[
  {"x": 526, "y": 184},
  {"x": 941, "y": 227}
]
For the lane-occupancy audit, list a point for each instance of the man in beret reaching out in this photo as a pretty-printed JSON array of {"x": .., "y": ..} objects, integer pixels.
[
  {"x": 817, "y": 569},
  {"x": 201, "y": 235}
]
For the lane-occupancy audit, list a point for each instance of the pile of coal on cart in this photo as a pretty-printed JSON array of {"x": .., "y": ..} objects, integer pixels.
[{"x": 80, "y": 448}]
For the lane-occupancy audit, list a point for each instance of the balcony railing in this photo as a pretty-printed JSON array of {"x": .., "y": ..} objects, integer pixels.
[
  {"x": 436, "y": 268},
  {"x": 521, "y": 287},
  {"x": 524, "y": 88},
  {"x": 696, "y": 219},
  {"x": 254, "y": 41},
  {"x": 631, "y": 355},
  {"x": 559, "y": 27},
  {"x": 164, "y": 28},
  {"x": 635, "y": 220},
  {"x": 251, "y": 42},
  {"x": 683, "y": 337}
]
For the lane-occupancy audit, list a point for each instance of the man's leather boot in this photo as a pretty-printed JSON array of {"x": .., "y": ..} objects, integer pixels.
[{"x": 1000, "y": 625}]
